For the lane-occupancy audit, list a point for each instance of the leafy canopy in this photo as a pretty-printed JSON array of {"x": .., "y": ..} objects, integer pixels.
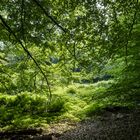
[{"x": 44, "y": 41}]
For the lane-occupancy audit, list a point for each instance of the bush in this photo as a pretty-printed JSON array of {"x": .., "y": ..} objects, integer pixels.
[
  {"x": 71, "y": 90},
  {"x": 93, "y": 109},
  {"x": 56, "y": 105}
]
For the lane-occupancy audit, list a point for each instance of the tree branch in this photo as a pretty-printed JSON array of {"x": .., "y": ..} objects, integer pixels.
[
  {"x": 28, "y": 53},
  {"x": 50, "y": 17},
  {"x": 130, "y": 32}
]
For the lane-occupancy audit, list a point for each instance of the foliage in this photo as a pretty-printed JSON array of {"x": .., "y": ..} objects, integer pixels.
[
  {"x": 59, "y": 37},
  {"x": 28, "y": 109},
  {"x": 55, "y": 56}
]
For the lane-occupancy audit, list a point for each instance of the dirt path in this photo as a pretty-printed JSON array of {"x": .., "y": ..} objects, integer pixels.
[{"x": 109, "y": 126}]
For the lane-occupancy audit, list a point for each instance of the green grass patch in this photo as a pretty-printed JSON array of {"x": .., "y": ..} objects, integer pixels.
[{"x": 74, "y": 102}]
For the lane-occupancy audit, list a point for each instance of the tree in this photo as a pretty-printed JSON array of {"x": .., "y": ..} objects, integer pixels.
[{"x": 84, "y": 34}]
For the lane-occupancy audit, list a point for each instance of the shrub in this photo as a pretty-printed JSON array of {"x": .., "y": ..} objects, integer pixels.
[
  {"x": 56, "y": 105},
  {"x": 71, "y": 90}
]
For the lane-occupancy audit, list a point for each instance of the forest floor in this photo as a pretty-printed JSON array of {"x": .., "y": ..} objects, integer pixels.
[{"x": 112, "y": 124}]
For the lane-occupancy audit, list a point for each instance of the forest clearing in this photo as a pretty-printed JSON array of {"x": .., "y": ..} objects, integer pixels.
[{"x": 69, "y": 69}]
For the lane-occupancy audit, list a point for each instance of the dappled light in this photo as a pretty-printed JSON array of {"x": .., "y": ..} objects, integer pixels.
[{"x": 69, "y": 70}]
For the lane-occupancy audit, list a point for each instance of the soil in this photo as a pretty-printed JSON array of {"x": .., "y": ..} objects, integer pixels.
[{"x": 111, "y": 125}]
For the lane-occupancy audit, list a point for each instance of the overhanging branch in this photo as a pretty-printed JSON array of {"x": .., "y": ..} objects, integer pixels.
[
  {"x": 130, "y": 32},
  {"x": 28, "y": 53},
  {"x": 50, "y": 17}
]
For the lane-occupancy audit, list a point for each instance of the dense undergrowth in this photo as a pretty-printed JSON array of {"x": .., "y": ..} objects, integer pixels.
[{"x": 75, "y": 102}]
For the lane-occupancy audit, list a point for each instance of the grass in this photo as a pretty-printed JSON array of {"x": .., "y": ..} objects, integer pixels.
[{"x": 75, "y": 102}]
